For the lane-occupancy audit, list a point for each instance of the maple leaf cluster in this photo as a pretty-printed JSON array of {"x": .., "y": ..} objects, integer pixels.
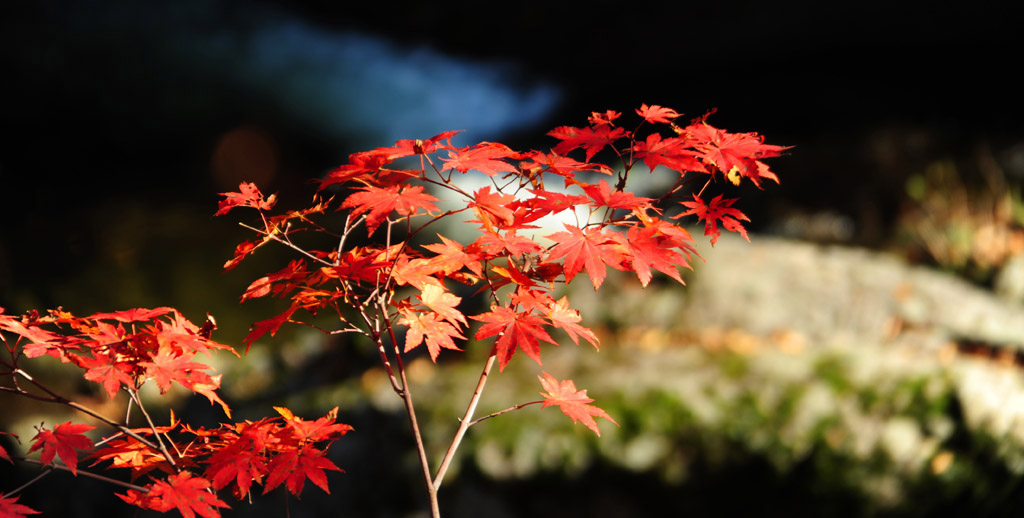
[
  {"x": 184, "y": 466},
  {"x": 124, "y": 349},
  {"x": 386, "y": 272},
  {"x": 409, "y": 277}
]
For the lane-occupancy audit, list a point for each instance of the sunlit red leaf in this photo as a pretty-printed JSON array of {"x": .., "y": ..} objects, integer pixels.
[
  {"x": 735, "y": 154},
  {"x": 592, "y": 140},
  {"x": 64, "y": 441},
  {"x": 320, "y": 429},
  {"x": 429, "y": 327},
  {"x": 718, "y": 209},
  {"x": 105, "y": 370},
  {"x": 602, "y": 194},
  {"x": 486, "y": 157},
  {"x": 379, "y": 202},
  {"x": 133, "y": 315},
  {"x": 248, "y": 196},
  {"x": 188, "y": 494},
  {"x": 568, "y": 319},
  {"x": 574, "y": 403},
  {"x": 655, "y": 113},
  {"x": 673, "y": 153},
  {"x": 592, "y": 250},
  {"x": 10, "y": 509},
  {"x": 493, "y": 208},
  {"x": 517, "y": 329},
  {"x": 293, "y": 468}
]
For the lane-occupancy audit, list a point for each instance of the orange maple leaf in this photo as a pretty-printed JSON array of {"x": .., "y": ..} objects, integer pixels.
[
  {"x": 574, "y": 403},
  {"x": 381, "y": 201}
]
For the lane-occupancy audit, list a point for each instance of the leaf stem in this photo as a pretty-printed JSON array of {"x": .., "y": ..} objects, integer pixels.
[{"x": 509, "y": 409}]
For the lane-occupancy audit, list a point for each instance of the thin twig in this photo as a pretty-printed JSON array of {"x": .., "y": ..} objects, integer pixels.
[
  {"x": 499, "y": 412},
  {"x": 84, "y": 473},
  {"x": 57, "y": 398},
  {"x": 163, "y": 448}
]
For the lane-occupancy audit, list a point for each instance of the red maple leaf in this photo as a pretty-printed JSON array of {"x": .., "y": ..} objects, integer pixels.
[
  {"x": 132, "y": 454},
  {"x": 185, "y": 336},
  {"x": 408, "y": 147},
  {"x": 672, "y": 153},
  {"x": 564, "y": 317},
  {"x": 132, "y": 315},
  {"x": 293, "y": 468},
  {"x": 241, "y": 460},
  {"x": 718, "y": 209},
  {"x": 493, "y": 208},
  {"x": 452, "y": 257},
  {"x": 3, "y": 452},
  {"x": 735, "y": 154},
  {"x": 521, "y": 330},
  {"x": 486, "y": 157},
  {"x": 64, "y": 441},
  {"x": 359, "y": 167},
  {"x": 321, "y": 429},
  {"x": 592, "y": 140},
  {"x": 261, "y": 287},
  {"x": 655, "y": 113},
  {"x": 603, "y": 195},
  {"x": 10, "y": 509},
  {"x": 648, "y": 249},
  {"x": 431, "y": 327},
  {"x": 105, "y": 370},
  {"x": 496, "y": 244},
  {"x": 560, "y": 165},
  {"x": 574, "y": 403},
  {"x": 418, "y": 272},
  {"x": 270, "y": 325},
  {"x": 241, "y": 252},
  {"x": 188, "y": 494},
  {"x": 381, "y": 201},
  {"x": 168, "y": 366},
  {"x": 248, "y": 196},
  {"x": 592, "y": 250},
  {"x": 597, "y": 119},
  {"x": 443, "y": 303}
]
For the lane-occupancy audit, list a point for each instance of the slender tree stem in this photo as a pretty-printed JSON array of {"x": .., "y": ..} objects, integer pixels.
[
  {"x": 410, "y": 410},
  {"x": 465, "y": 422}
]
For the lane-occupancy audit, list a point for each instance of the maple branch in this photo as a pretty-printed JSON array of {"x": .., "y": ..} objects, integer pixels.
[
  {"x": 509, "y": 409},
  {"x": 35, "y": 479},
  {"x": 288, "y": 243},
  {"x": 464, "y": 422},
  {"x": 374, "y": 333},
  {"x": 57, "y": 398},
  {"x": 344, "y": 236},
  {"x": 410, "y": 410},
  {"x": 163, "y": 448},
  {"x": 48, "y": 468}
]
